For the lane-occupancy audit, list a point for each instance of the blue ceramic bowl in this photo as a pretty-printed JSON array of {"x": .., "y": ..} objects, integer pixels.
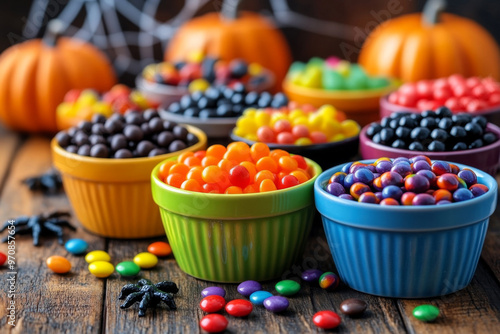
[{"x": 405, "y": 251}]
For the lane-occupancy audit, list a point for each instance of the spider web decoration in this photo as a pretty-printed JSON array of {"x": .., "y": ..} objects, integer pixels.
[{"x": 132, "y": 50}]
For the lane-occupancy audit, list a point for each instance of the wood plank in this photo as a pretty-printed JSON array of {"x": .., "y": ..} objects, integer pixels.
[
  {"x": 490, "y": 253},
  {"x": 381, "y": 316},
  {"x": 46, "y": 302},
  {"x": 474, "y": 309},
  {"x": 9, "y": 143}
]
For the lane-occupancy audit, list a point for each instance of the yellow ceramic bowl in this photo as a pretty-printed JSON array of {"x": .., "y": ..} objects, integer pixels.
[
  {"x": 359, "y": 105},
  {"x": 112, "y": 197}
]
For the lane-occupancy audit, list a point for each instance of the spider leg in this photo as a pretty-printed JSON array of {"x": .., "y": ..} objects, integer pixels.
[
  {"x": 167, "y": 286},
  {"x": 35, "y": 232},
  {"x": 132, "y": 298},
  {"x": 23, "y": 220},
  {"x": 143, "y": 305},
  {"x": 127, "y": 290},
  {"x": 20, "y": 231},
  {"x": 167, "y": 298},
  {"x": 32, "y": 183},
  {"x": 144, "y": 281},
  {"x": 48, "y": 182},
  {"x": 56, "y": 229}
]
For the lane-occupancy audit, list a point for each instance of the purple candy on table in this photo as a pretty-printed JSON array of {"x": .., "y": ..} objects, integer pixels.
[
  {"x": 311, "y": 275},
  {"x": 371, "y": 168},
  {"x": 213, "y": 291},
  {"x": 417, "y": 184},
  {"x": 355, "y": 167},
  {"x": 246, "y": 288},
  {"x": 402, "y": 168},
  {"x": 423, "y": 199},
  {"x": 391, "y": 178},
  {"x": 401, "y": 159},
  {"x": 338, "y": 177},
  {"x": 421, "y": 165},
  {"x": 440, "y": 167},
  {"x": 383, "y": 166},
  {"x": 428, "y": 175},
  {"x": 368, "y": 197},
  {"x": 276, "y": 304},
  {"x": 379, "y": 195},
  {"x": 418, "y": 158},
  {"x": 335, "y": 189},
  {"x": 462, "y": 194},
  {"x": 468, "y": 176},
  {"x": 347, "y": 196},
  {"x": 363, "y": 175},
  {"x": 477, "y": 190}
]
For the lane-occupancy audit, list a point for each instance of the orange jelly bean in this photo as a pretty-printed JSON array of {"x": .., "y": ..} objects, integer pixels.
[
  {"x": 267, "y": 185},
  {"x": 164, "y": 169},
  {"x": 216, "y": 151},
  {"x": 179, "y": 168},
  {"x": 267, "y": 163},
  {"x": 191, "y": 185},
  {"x": 259, "y": 150},
  {"x": 160, "y": 249},
  {"x": 58, "y": 264}
]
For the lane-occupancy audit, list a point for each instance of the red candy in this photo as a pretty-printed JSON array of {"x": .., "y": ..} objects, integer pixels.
[
  {"x": 160, "y": 249},
  {"x": 326, "y": 319},
  {"x": 212, "y": 303},
  {"x": 3, "y": 258},
  {"x": 213, "y": 323},
  {"x": 239, "y": 308}
]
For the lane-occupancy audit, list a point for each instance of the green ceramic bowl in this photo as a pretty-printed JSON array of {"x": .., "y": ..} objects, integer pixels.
[{"x": 233, "y": 238}]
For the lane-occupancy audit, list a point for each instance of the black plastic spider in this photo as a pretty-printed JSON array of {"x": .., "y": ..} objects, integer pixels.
[
  {"x": 149, "y": 294},
  {"x": 48, "y": 183},
  {"x": 50, "y": 223}
]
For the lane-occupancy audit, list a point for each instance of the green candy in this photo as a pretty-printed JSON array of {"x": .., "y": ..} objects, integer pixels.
[
  {"x": 287, "y": 287},
  {"x": 426, "y": 312},
  {"x": 297, "y": 66},
  {"x": 315, "y": 62},
  {"x": 127, "y": 268},
  {"x": 332, "y": 80},
  {"x": 377, "y": 82}
]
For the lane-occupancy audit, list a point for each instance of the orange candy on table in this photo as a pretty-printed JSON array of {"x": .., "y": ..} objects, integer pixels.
[
  {"x": 58, "y": 264},
  {"x": 237, "y": 169},
  {"x": 160, "y": 249}
]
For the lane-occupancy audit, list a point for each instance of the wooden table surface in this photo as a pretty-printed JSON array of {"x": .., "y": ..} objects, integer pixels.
[{"x": 81, "y": 303}]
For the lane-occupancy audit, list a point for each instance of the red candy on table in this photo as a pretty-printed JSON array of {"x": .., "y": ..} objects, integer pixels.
[
  {"x": 326, "y": 319},
  {"x": 160, "y": 249},
  {"x": 212, "y": 303},
  {"x": 239, "y": 307},
  {"x": 3, "y": 258},
  {"x": 213, "y": 323}
]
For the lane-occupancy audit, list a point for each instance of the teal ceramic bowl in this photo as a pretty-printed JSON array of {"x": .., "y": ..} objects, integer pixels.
[
  {"x": 405, "y": 251},
  {"x": 237, "y": 237}
]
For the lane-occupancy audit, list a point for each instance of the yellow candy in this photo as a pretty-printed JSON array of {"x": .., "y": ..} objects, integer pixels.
[
  {"x": 327, "y": 111},
  {"x": 97, "y": 255},
  {"x": 296, "y": 113},
  {"x": 295, "y": 78},
  {"x": 146, "y": 260},
  {"x": 65, "y": 109},
  {"x": 262, "y": 118},
  {"x": 102, "y": 108},
  {"x": 300, "y": 120},
  {"x": 349, "y": 128},
  {"x": 198, "y": 85},
  {"x": 239, "y": 132},
  {"x": 276, "y": 116},
  {"x": 315, "y": 121},
  {"x": 149, "y": 72},
  {"x": 330, "y": 127},
  {"x": 196, "y": 56},
  {"x": 87, "y": 98},
  {"x": 303, "y": 141},
  {"x": 250, "y": 112},
  {"x": 139, "y": 99},
  {"x": 255, "y": 69},
  {"x": 247, "y": 124},
  {"x": 101, "y": 269},
  {"x": 312, "y": 78},
  {"x": 252, "y": 136},
  {"x": 337, "y": 137}
]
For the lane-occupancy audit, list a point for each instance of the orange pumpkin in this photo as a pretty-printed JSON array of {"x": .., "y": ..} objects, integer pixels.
[
  {"x": 430, "y": 45},
  {"x": 36, "y": 74},
  {"x": 229, "y": 35}
]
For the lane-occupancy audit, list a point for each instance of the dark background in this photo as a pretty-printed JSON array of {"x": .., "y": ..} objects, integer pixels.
[{"x": 304, "y": 44}]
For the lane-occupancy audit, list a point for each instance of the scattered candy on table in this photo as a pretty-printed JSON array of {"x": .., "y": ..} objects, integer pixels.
[
  {"x": 276, "y": 304},
  {"x": 213, "y": 323},
  {"x": 101, "y": 269},
  {"x": 426, "y": 312},
  {"x": 413, "y": 181},
  {"x": 329, "y": 281},
  {"x": 97, "y": 255},
  {"x": 295, "y": 125},
  {"x": 326, "y": 319},
  {"x": 127, "y": 268},
  {"x": 246, "y": 288},
  {"x": 333, "y": 74},
  {"x": 198, "y": 74},
  {"x": 160, "y": 249},
  {"x": 258, "y": 297},
  {"x": 146, "y": 260},
  {"x": 212, "y": 303},
  {"x": 45, "y": 223},
  {"x": 131, "y": 135},
  {"x": 353, "y": 307},
  {"x": 213, "y": 290},
  {"x": 434, "y": 131},
  {"x": 239, "y": 307},
  {"x": 455, "y": 92},
  {"x": 76, "y": 246},
  {"x": 311, "y": 275},
  {"x": 3, "y": 258},
  {"x": 58, "y": 264},
  {"x": 236, "y": 169},
  {"x": 148, "y": 294},
  {"x": 287, "y": 287},
  {"x": 225, "y": 101}
]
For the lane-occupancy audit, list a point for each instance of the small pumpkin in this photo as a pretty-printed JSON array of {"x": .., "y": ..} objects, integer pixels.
[
  {"x": 36, "y": 74},
  {"x": 232, "y": 34},
  {"x": 430, "y": 45}
]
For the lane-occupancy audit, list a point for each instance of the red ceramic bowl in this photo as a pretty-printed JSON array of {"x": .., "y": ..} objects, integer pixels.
[
  {"x": 387, "y": 108},
  {"x": 486, "y": 158}
]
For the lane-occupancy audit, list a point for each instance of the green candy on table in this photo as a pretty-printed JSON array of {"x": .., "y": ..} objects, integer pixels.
[
  {"x": 127, "y": 268},
  {"x": 426, "y": 312},
  {"x": 287, "y": 287},
  {"x": 332, "y": 80}
]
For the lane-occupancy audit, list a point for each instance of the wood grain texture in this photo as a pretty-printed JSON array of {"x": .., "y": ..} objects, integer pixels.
[
  {"x": 46, "y": 302},
  {"x": 9, "y": 144}
]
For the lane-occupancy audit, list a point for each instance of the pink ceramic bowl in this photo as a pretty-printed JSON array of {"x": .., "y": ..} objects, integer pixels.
[
  {"x": 486, "y": 158},
  {"x": 387, "y": 108}
]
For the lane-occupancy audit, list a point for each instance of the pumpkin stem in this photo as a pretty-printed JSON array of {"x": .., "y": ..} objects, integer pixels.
[
  {"x": 432, "y": 11},
  {"x": 55, "y": 29},
  {"x": 229, "y": 10}
]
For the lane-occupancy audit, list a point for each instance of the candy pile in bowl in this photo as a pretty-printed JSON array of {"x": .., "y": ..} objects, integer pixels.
[
  {"x": 459, "y": 94},
  {"x": 405, "y": 181}
]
